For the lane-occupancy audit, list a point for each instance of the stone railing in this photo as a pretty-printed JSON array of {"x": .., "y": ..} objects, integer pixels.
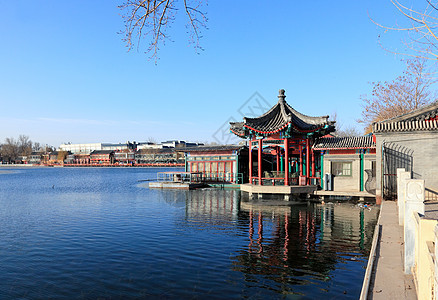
[{"x": 420, "y": 235}]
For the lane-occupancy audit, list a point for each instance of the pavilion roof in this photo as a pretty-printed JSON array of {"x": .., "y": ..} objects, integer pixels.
[{"x": 282, "y": 118}]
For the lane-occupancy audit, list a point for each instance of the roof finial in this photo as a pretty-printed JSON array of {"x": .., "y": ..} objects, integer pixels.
[{"x": 281, "y": 95}]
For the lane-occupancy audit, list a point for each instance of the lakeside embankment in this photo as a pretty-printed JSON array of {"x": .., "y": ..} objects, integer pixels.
[{"x": 157, "y": 165}]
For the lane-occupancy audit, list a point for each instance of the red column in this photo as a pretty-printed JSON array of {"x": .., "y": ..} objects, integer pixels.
[
  {"x": 250, "y": 161},
  {"x": 307, "y": 160},
  {"x": 313, "y": 163},
  {"x": 278, "y": 158},
  {"x": 286, "y": 161},
  {"x": 301, "y": 160},
  {"x": 231, "y": 172},
  {"x": 259, "y": 166}
]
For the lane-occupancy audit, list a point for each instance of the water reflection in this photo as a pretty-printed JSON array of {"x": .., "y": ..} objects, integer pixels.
[
  {"x": 290, "y": 249},
  {"x": 213, "y": 204}
]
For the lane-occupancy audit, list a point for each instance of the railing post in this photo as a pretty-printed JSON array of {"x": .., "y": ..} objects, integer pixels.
[
  {"x": 401, "y": 194},
  {"x": 435, "y": 275},
  {"x": 414, "y": 194}
]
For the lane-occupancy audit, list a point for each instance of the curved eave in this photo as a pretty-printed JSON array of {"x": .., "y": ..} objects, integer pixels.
[
  {"x": 267, "y": 132},
  {"x": 345, "y": 148},
  {"x": 283, "y": 127},
  {"x": 238, "y": 134}
]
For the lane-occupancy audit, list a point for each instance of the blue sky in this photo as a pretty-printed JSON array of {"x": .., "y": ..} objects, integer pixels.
[{"x": 66, "y": 76}]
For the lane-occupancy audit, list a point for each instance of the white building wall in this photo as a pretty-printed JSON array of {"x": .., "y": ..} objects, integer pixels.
[{"x": 80, "y": 148}]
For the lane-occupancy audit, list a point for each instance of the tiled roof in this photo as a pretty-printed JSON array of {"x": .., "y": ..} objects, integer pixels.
[
  {"x": 351, "y": 142},
  {"x": 405, "y": 126},
  {"x": 423, "y": 113},
  {"x": 211, "y": 148},
  {"x": 422, "y": 119},
  {"x": 156, "y": 151},
  {"x": 102, "y": 152},
  {"x": 278, "y": 118}
]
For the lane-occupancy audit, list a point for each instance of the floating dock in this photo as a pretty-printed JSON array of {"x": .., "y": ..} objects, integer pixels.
[
  {"x": 178, "y": 180},
  {"x": 175, "y": 185}
]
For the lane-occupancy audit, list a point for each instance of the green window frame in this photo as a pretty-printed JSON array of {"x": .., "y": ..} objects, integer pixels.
[{"x": 342, "y": 168}]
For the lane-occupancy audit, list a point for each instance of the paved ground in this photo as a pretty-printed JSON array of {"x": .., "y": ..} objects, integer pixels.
[
  {"x": 431, "y": 210},
  {"x": 388, "y": 281}
]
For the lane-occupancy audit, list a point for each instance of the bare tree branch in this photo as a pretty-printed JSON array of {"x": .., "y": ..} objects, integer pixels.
[
  {"x": 150, "y": 20},
  {"x": 405, "y": 93},
  {"x": 421, "y": 33}
]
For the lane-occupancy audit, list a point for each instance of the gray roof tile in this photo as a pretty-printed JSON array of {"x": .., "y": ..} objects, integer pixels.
[{"x": 353, "y": 142}]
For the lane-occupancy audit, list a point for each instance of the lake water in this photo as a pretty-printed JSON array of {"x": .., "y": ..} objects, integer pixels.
[{"x": 100, "y": 233}]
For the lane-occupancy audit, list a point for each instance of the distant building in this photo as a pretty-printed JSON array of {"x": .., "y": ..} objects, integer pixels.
[
  {"x": 58, "y": 157},
  {"x": 81, "y": 148},
  {"x": 148, "y": 145},
  {"x": 102, "y": 157},
  {"x": 120, "y": 146},
  {"x": 163, "y": 155},
  {"x": 34, "y": 158},
  {"x": 82, "y": 158},
  {"x": 88, "y": 148},
  {"x": 180, "y": 144},
  {"x": 124, "y": 157}
]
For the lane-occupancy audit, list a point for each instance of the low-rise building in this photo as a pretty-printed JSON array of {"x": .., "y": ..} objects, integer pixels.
[
  {"x": 102, "y": 157},
  {"x": 348, "y": 164},
  {"x": 163, "y": 155},
  {"x": 226, "y": 163},
  {"x": 34, "y": 158},
  {"x": 58, "y": 157},
  {"x": 124, "y": 157}
]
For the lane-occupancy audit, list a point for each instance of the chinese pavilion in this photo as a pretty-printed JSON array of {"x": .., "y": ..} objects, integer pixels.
[{"x": 283, "y": 139}]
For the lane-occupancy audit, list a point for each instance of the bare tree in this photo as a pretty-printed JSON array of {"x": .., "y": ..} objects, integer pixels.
[
  {"x": 24, "y": 145},
  {"x": 343, "y": 131},
  {"x": 150, "y": 19},
  {"x": 62, "y": 155},
  {"x": 405, "y": 93},
  {"x": 36, "y": 147},
  {"x": 9, "y": 150},
  {"x": 348, "y": 131},
  {"x": 420, "y": 29},
  {"x": 152, "y": 140}
]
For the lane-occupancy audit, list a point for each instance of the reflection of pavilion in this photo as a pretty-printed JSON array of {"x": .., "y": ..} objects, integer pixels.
[
  {"x": 300, "y": 245},
  {"x": 283, "y": 139}
]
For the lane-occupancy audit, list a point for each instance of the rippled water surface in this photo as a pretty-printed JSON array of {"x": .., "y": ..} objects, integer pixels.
[{"x": 100, "y": 233}]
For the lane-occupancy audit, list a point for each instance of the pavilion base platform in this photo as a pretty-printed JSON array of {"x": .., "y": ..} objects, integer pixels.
[
  {"x": 224, "y": 186},
  {"x": 361, "y": 195},
  {"x": 176, "y": 185},
  {"x": 289, "y": 192}
]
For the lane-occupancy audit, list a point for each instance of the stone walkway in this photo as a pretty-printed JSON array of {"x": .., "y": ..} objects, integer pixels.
[
  {"x": 388, "y": 280},
  {"x": 431, "y": 209}
]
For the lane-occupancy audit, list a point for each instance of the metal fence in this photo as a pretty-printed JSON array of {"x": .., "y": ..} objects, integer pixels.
[{"x": 394, "y": 156}]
